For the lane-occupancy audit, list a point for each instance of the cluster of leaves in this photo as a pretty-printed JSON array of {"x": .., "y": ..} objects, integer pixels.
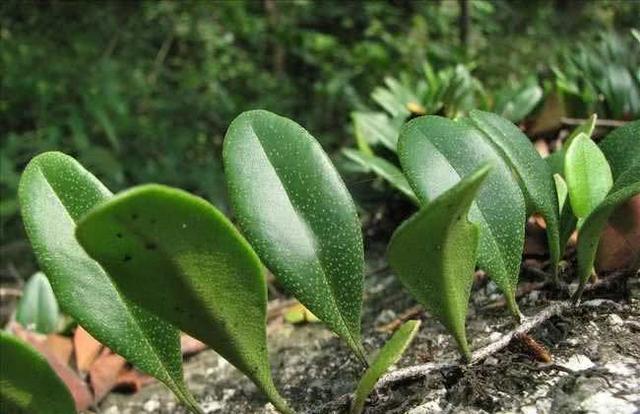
[
  {"x": 476, "y": 180},
  {"x": 101, "y": 252},
  {"x": 601, "y": 77}
]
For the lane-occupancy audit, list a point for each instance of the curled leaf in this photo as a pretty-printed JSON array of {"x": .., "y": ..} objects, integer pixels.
[
  {"x": 436, "y": 153},
  {"x": 433, "y": 254}
]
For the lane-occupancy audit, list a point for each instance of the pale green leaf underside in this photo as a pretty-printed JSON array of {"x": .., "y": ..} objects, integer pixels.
[
  {"x": 27, "y": 384},
  {"x": 388, "y": 355},
  {"x": 384, "y": 169},
  {"x": 435, "y": 154},
  {"x": 587, "y": 175},
  {"x": 177, "y": 256},
  {"x": 433, "y": 254},
  {"x": 55, "y": 191},
  {"x": 295, "y": 210},
  {"x": 38, "y": 308}
]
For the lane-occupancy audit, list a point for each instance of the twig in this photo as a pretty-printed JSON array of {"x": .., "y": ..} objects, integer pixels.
[
  {"x": 420, "y": 371},
  {"x": 609, "y": 123}
]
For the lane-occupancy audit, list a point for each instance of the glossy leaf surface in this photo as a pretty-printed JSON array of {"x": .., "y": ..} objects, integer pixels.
[
  {"x": 177, "y": 256},
  {"x": 384, "y": 169},
  {"x": 27, "y": 382},
  {"x": 587, "y": 174},
  {"x": 436, "y": 153},
  {"x": 38, "y": 308},
  {"x": 534, "y": 176},
  {"x": 626, "y": 186},
  {"x": 388, "y": 355},
  {"x": 55, "y": 191},
  {"x": 433, "y": 254},
  {"x": 296, "y": 212}
]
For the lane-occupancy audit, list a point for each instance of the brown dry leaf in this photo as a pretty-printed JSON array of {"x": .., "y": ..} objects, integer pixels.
[
  {"x": 542, "y": 147},
  {"x": 132, "y": 380},
  {"x": 190, "y": 346},
  {"x": 79, "y": 389},
  {"x": 619, "y": 246},
  {"x": 550, "y": 118},
  {"x": 535, "y": 243},
  {"x": 61, "y": 347},
  {"x": 86, "y": 348},
  {"x": 104, "y": 373}
]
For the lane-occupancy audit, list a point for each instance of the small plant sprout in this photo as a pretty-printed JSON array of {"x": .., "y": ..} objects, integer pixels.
[
  {"x": 38, "y": 308},
  {"x": 295, "y": 210},
  {"x": 386, "y": 357},
  {"x": 433, "y": 254},
  {"x": 27, "y": 382},
  {"x": 177, "y": 256},
  {"x": 55, "y": 192},
  {"x": 621, "y": 150}
]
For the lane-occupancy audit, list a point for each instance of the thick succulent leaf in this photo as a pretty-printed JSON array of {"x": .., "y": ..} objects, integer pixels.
[
  {"x": 384, "y": 169},
  {"x": 587, "y": 174},
  {"x": 534, "y": 175},
  {"x": 27, "y": 382},
  {"x": 433, "y": 254},
  {"x": 435, "y": 154},
  {"x": 388, "y": 355},
  {"x": 586, "y": 128},
  {"x": 177, "y": 256},
  {"x": 298, "y": 215},
  {"x": 622, "y": 148},
  {"x": 374, "y": 128},
  {"x": 626, "y": 186},
  {"x": 55, "y": 191},
  {"x": 38, "y": 308}
]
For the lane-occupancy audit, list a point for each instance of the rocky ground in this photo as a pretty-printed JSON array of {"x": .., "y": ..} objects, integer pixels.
[{"x": 595, "y": 368}]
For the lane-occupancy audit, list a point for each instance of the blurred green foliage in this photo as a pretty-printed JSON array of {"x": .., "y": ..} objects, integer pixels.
[{"x": 144, "y": 91}]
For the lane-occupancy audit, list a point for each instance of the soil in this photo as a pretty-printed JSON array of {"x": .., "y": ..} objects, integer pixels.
[{"x": 595, "y": 368}]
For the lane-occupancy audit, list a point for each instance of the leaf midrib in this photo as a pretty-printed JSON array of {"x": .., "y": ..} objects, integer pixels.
[{"x": 313, "y": 242}]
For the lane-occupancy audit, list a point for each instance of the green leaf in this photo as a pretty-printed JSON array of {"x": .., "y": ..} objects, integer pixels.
[
  {"x": 27, "y": 382},
  {"x": 298, "y": 215},
  {"x": 55, "y": 191},
  {"x": 622, "y": 148},
  {"x": 534, "y": 176},
  {"x": 388, "y": 355},
  {"x": 586, "y": 128},
  {"x": 626, "y": 186},
  {"x": 374, "y": 128},
  {"x": 561, "y": 190},
  {"x": 435, "y": 154},
  {"x": 587, "y": 174},
  {"x": 433, "y": 254},
  {"x": 521, "y": 103},
  {"x": 178, "y": 257},
  {"x": 38, "y": 308},
  {"x": 384, "y": 169}
]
